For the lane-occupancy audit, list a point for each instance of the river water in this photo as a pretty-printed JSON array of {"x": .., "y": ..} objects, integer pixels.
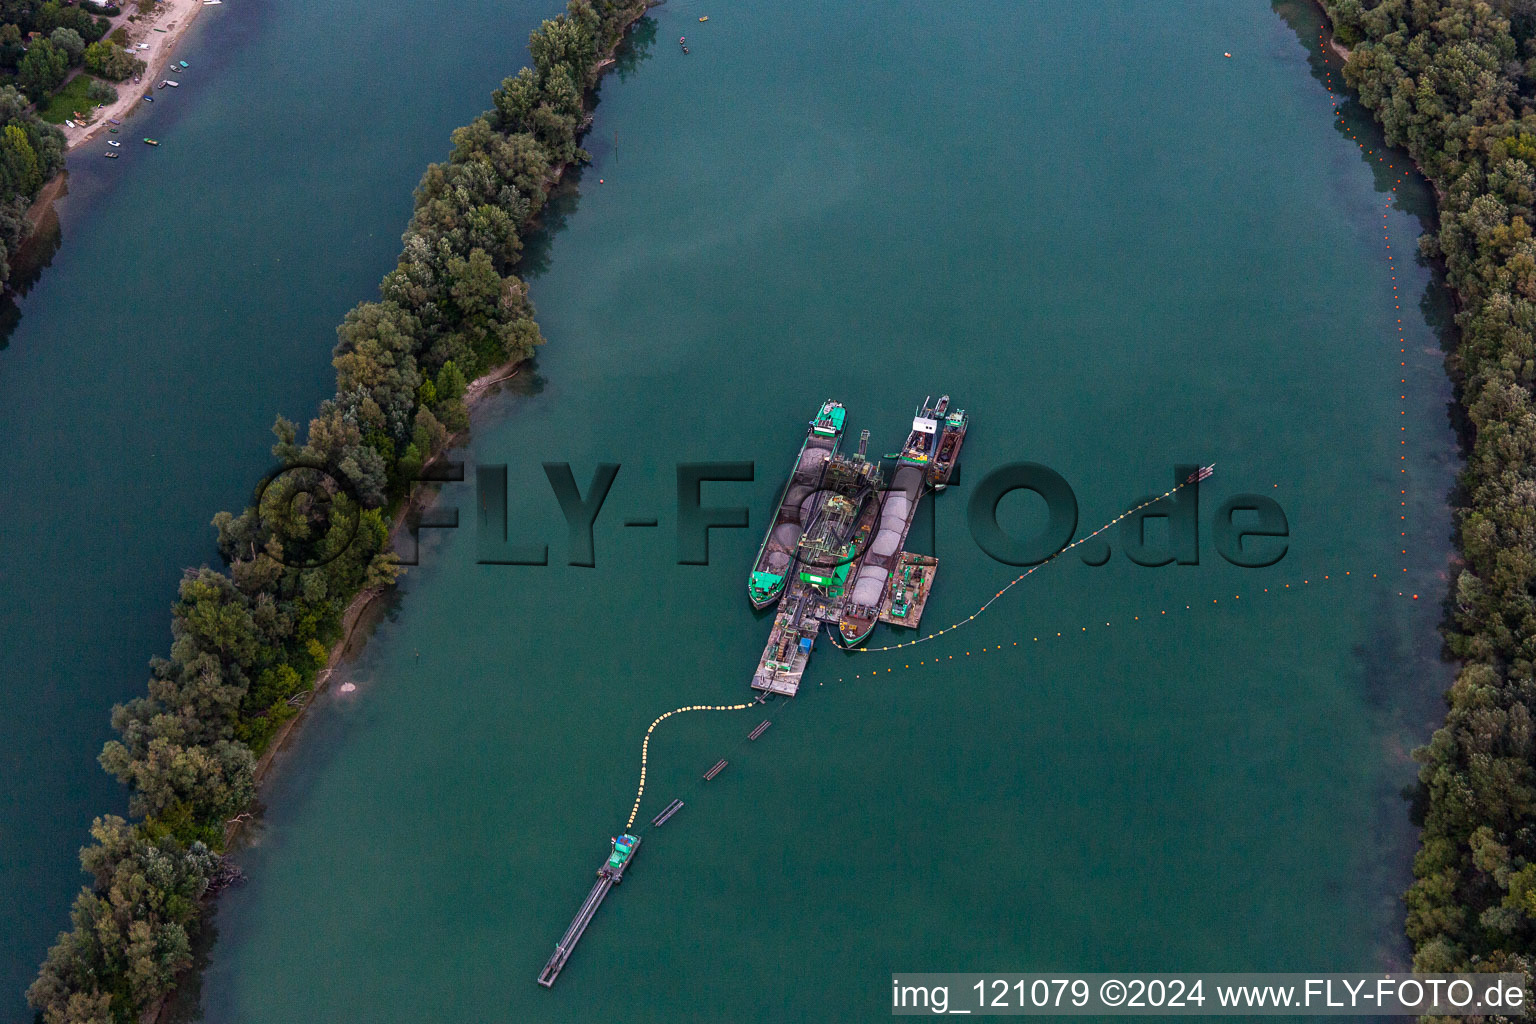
[
  {"x": 194, "y": 298},
  {"x": 1122, "y": 252}
]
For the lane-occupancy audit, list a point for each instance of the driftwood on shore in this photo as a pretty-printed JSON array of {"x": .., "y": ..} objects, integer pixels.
[{"x": 227, "y": 875}]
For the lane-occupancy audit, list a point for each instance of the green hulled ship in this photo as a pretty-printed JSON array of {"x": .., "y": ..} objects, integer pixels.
[{"x": 776, "y": 556}]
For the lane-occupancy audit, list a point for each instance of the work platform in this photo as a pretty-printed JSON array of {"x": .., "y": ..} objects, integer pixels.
[{"x": 906, "y": 595}]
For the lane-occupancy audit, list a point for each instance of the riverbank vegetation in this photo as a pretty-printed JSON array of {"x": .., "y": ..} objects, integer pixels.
[
  {"x": 31, "y": 153},
  {"x": 1454, "y": 82},
  {"x": 42, "y": 45},
  {"x": 80, "y": 93},
  {"x": 248, "y": 640}
]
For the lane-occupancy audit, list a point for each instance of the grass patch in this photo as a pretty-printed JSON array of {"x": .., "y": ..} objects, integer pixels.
[{"x": 67, "y": 100}]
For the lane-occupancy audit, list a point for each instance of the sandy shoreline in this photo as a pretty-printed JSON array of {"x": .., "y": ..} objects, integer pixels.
[
  {"x": 174, "y": 16},
  {"x": 354, "y": 614}
]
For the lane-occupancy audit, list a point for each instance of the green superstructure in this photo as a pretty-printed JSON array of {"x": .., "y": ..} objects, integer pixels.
[{"x": 779, "y": 550}]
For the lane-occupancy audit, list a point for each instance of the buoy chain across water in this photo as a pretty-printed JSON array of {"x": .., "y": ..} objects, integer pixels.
[
  {"x": 645, "y": 745},
  {"x": 1026, "y": 574}
]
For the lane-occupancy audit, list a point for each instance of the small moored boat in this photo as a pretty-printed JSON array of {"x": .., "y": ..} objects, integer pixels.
[
  {"x": 110, "y": 156},
  {"x": 148, "y": 98},
  {"x": 151, "y": 142},
  {"x": 113, "y": 143},
  {"x": 114, "y": 120},
  {"x": 183, "y": 63}
]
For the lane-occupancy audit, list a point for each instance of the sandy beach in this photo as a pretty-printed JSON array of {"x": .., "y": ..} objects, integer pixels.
[{"x": 171, "y": 16}]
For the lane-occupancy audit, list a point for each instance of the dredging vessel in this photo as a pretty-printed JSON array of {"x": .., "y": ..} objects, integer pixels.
[
  {"x": 928, "y": 459},
  {"x": 776, "y": 555},
  {"x": 610, "y": 874},
  {"x": 840, "y": 520},
  {"x": 833, "y": 555},
  {"x": 850, "y": 532}
]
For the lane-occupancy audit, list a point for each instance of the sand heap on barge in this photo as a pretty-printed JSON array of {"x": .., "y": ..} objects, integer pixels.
[
  {"x": 776, "y": 556},
  {"x": 849, "y": 569}
]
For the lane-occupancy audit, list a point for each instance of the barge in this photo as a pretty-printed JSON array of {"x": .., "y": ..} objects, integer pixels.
[
  {"x": 776, "y": 555},
  {"x": 951, "y": 438},
  {"x": 910, "y": 585},
  {"x": 849, "y": 536},
  {"x": 840, "y": 520}
]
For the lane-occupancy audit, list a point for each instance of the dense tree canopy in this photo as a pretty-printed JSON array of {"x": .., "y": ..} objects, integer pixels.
[
  {"x": 42, "y": 69},
  {"x": 107, "y": 59},
  {"x": 247, "y": 643},
  {"x": 1454, "y": 81},
  {"x": 70, "y": 41},
  {"x": 31, "y": 153}
]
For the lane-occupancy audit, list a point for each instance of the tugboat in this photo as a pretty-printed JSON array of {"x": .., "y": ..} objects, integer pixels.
[
  {"x": 950, "y": 440},
  {"x": 918, "y": 450},
  {"x": 776, "y": 555}
]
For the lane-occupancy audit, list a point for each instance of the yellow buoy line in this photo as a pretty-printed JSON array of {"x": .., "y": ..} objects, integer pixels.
[
  {"x": 645, "y": 745},
  {"x": 1020, "y": 578}
]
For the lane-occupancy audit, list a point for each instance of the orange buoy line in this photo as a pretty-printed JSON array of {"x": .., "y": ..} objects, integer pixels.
[
  {"x": 1397, "y": 305},
  {"x": 645, "y": 745},
  {"x": 1024, "y": 575},
  {"x": 1161, "y": 616}
]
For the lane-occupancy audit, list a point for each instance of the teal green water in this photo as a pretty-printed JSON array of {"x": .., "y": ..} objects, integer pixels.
[
  {"x": 1119, "y": 251},
  {"x": 195, "y": 297}
]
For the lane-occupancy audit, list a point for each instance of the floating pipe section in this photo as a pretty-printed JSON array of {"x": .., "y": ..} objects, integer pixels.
[{"x": 667, "y": 812}]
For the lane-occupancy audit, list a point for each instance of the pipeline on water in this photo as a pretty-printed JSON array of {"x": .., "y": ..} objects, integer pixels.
[{"x": 645, "y": 745}]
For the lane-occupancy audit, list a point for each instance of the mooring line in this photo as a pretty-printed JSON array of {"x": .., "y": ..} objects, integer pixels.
[{"x": 1195, "y": 479}]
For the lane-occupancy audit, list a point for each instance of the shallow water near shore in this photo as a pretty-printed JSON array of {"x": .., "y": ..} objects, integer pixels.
[
  {"x": 1145, "y": 256},
  {"x": 194, "y": 298}
]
